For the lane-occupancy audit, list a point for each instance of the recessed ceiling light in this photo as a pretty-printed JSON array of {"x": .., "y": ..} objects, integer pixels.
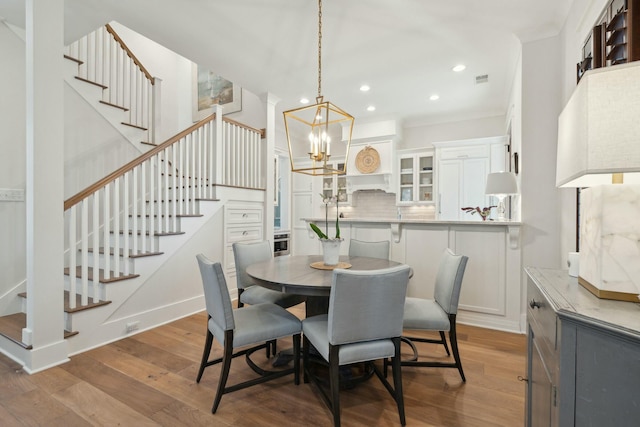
[
  {"x": 364, "y": 88},
  {"x": 459, "y": 68},
  {"x": 304, "y": 101},
  {"x": 434, "y": 97},
  {"x": 371, "y": 108}
]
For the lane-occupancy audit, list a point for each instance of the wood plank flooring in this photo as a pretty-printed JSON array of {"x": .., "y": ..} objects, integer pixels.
[{"x": 149, "y": 380}]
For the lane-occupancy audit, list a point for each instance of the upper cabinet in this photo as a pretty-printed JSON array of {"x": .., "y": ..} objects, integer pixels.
[
  {"x": 416, "y": 180},
  {"x": 335, "y": 185},
  {"x": 461, "y": 174}
]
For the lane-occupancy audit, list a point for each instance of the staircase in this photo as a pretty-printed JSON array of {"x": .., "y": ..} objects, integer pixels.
[{"x": 123, "y": 229}]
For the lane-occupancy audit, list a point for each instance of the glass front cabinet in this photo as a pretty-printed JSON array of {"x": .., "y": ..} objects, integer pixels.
[
  {"x": 336, "y": 185},
  {"x": 415, "y": 185}
]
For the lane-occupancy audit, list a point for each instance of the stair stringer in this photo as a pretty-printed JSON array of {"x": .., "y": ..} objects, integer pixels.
[{"x": 169, "y": 286}]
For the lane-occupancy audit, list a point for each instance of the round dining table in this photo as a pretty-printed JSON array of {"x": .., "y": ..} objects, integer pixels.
[{"x": 294, "y": 274}]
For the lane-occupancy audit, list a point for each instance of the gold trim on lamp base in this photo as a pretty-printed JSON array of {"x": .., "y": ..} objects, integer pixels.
[{"x": 613, "y": 295}]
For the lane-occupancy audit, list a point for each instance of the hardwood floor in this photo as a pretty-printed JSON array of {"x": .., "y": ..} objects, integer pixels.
[{"x": 149, "y": 379}]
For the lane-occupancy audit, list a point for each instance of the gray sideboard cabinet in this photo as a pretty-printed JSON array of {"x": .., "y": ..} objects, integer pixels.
[{"x": 583, "y": 355}]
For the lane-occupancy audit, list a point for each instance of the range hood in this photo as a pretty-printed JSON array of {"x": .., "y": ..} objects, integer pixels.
[{"x": 372, "y": 157}]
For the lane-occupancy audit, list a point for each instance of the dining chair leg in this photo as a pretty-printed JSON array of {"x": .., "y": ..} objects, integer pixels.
[
  {"x": 271, "y": 348},
  {"x": 397, "y": 381},
  {"x": 296, "y": 359},
  {"x": 454, "y": 346},
  {"x": 305, "y": 359},
  {"x": 224, "y": 373},
  {"x": 205, "y": 354},
  {"x": 334, "y": 380},
  {"x": 444, "y": 342}
]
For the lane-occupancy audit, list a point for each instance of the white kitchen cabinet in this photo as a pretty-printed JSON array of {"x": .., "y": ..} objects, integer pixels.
[
  {"x": 307, "y": 194},
  {"x": 336, "y": 185},
  {"x": 243, "y": 223},
  {"x": 461, "y": 174},
  {"x": 416, "y": 181}
]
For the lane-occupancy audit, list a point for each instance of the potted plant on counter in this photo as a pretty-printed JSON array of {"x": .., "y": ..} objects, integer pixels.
[{"x": 330, "y": 247}]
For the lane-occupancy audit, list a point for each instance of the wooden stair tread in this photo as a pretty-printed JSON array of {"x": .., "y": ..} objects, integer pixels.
[
  {"x": 120, "y": 107},
  {"x": 197, "y": 199},
  {"x": 133, "y": 126},
  {"x": 77, "y": 308},
  {"x": 91, "y": 82},
  {"x": 146, "y": 233},
  {"x": 169, "y": 216},
  {"x": 131, "y": 254},
  {"x": 71, "y": 58},
  {"x": 11, "y": 327},
  {"x": 101, "y": 278}
]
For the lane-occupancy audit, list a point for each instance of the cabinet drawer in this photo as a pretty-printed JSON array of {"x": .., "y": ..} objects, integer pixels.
[
  {"x": 243, "y": 215},
  {"x": 464, "y": 152},
  {"x": 542, "y": 317},
  {"x": 243, "y": 234}
]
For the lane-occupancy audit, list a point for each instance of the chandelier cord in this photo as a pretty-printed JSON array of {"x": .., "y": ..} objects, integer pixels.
[{"x": 319, "y": 48}]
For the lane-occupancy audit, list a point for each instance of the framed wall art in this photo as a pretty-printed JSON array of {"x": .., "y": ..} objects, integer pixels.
[{"x": 209, "y": 89}]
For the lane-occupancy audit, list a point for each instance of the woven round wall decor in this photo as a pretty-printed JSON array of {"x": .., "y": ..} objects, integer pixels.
[{"x": 367, "y": 160}]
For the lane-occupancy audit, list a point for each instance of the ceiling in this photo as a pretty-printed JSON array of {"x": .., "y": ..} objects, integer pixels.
[{"x": 403, "y": 49}]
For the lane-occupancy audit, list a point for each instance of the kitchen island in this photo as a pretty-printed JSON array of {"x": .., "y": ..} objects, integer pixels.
[{"x": 491, "y": 295}]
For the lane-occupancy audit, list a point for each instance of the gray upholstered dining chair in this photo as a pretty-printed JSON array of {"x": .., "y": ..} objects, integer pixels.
[
  {"x": 244, "y": 255},
  {"x": 439, "y": 313},
  {"x": 343, "y": 338},
  {"x": 252, "y": 327},
  {"x": 369, "y": 249}
]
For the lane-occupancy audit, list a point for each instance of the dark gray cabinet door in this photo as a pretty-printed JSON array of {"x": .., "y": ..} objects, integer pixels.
[{"x": 540, "y": 387}]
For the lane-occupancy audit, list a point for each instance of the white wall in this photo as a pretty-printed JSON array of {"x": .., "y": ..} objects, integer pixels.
[
  {"x": 12, "y": 159},
  {"x": 93, "y": 148},
  {"x": 541, "y": 104},
  {"x": 418, "y": 136}
]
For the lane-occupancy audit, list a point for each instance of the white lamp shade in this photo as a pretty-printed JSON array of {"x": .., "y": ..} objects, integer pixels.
[
  {"x": 501, "y": 183},
  {"x": 599, "y": 128}
]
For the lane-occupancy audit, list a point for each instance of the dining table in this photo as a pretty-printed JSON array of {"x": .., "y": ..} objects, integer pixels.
[{"x": 307, "y": 275}]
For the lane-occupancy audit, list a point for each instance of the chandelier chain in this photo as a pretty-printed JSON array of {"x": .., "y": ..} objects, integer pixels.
[{"x": 319, "y": 48}]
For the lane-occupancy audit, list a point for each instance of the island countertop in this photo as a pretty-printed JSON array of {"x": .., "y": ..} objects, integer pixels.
[{"x": 413, "y": 221}]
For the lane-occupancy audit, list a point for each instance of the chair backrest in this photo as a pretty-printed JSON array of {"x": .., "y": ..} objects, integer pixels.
[
  {"x": 246, "y": 254},
  {"x": 216, "y": 293},
  {"x": 367, "y": 305},
  {"x": 369, "y": 249},
  {"x": 449, "y": 280}
]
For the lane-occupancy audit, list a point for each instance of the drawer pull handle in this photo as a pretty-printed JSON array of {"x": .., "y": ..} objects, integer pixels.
[
  {"x": 534, "y": 304},
  {"x": 244, "y": 233},
  {"x": 521, "y": 378},
  {"x": 244, "y": 215}
]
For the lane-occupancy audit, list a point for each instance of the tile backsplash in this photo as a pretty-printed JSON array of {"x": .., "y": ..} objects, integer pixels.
[{"x": 377, "y": 204}]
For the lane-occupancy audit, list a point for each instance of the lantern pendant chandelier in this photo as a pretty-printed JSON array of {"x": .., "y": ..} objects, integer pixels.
[{"x": 310, "y": 129}]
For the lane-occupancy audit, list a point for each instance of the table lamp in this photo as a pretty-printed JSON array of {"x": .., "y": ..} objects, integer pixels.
[
  {"x": 599, "y": 148},
  {"x": 501, "y": 185}
]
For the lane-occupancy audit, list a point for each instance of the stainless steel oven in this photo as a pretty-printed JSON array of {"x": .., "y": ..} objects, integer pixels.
[{"x": 281, "y": 244}]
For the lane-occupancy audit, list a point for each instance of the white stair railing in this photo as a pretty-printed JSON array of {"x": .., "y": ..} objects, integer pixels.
[
  {"x": 122, "y": 215},
  {"x": 106, "y": 61}
]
